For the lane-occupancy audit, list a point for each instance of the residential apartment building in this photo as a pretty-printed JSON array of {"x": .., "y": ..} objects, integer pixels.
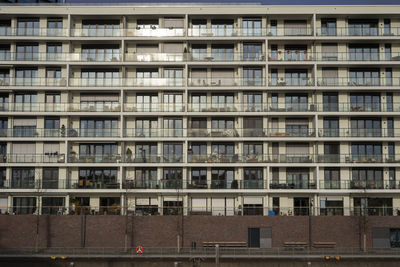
[{"x": 213, "y": 110}]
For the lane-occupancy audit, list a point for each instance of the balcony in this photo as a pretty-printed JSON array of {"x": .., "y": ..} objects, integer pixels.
[
  {"x": 291, "y": 82},
  {"x": 224, "y": 184},
  {"x": 227, "y": 32},
  {"x": 359, "y": 32},
  {"x": 153, "y": 158},
  {"x": 381, "y": 184},
  {"x": 60, "y": 107},
  {"x": 358, "y": 158},
  {"x": 359, "y": 132},
  {"x": 29, "y": 82},
  {"x": 251, "y": 184},
  {"x": 101, "y": 158},
  {"x": 33, "y": 158},
  {"x": 217, "y": 82},
  {"x": 196, "y": 184},
  {"x": 156, "y": 57},
  {"x": 140, "y": 184},
  {"x": 42, "y": 32},
  {"x": 290, "y": 185},
  {"x": 97, "y": 32},
  {"x": 225, "y": 57},
  {"x": 155, "y": 32},
  {"x": 395, "y": 81},
  {"x": 95, "y": 184},
  {"x": 154, "y": 107},
  {"x": 129, "y": 82},
  {"x": 292, "y": 132},
  {"x": 171, "y": 184}
]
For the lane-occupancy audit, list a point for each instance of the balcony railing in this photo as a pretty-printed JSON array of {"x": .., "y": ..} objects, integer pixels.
[
  {"x": 379, "y": 184},
  {"x": 359, "y": 132},
  {"x": 57, "y": 133},
  {"x": 227, "y": 32},
  {"x": 154, "y": 107},
  {"x": 357, "y": 32},
  {"x": 306, "y": 184},
  {"x": 394, "y": 81},
  {"x": 153, "y": 158},
  {"x": 110, "y": 82},
  {"x": 291, "y": 82},
  {"x": 60, "y": 107},
  {"x": 215, "y": 81},
  {"x": 141, "y": 184},
  {"x": 286, "y": 56},
  {"x": 56, "y": 82},
  {"x": 101, "y": 158},
  {"x": 33, "y": 158},
  {"x": 48, "y": 32}
]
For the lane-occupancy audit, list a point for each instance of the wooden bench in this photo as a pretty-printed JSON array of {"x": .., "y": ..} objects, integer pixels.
[
  {"x": 324, "y": 244},
  {"x": 225, "y": 244},
  {"x": 296, "y": 245}
]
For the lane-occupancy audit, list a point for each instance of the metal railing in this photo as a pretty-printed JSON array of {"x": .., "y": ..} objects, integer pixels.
[
  {"x": 394, "y": 81},
  {"x": 25, "y": 132},
  {"x": 56, "y": 82},
  {"x": 358, "y": 31},
  {"x": 302, "y": 55},
  {"x": 22, "y": 31}
]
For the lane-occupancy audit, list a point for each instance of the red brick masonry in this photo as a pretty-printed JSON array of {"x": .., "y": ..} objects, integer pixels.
[{"x": 162, "y": 231}]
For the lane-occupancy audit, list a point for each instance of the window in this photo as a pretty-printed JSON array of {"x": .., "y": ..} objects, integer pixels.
[
  {"x": 222, "y": 27},
  {"x": 53, "y": 101},
  {"x": 100, "y": 77},
  {"x": 28, "y": 26},
  {"x": 331, "y": 206},
  {"x": 373, "y": 206},
  {"x": 5, "y": 27},
  {"x": 296, "y": 102},
  {"x": 331, "y": 152},
  {"x": 252, "y": 149},
  {"x": 224, "y": 151},
  {"x": 391, "y": 152},
  {"x": 54, "y": 27},
  {"x": 275, "y": 206},
  {"x": 274, "y": 28},
  {"x": 223, "y": 127},
  {"x": 173, "y": 102},
  {"x": 388, "y": 77},
  {"x": 174, "y": 77},
  {"x": 50, "y": 178},
  {"x": 199, "y": 27},
  {"x": 295, "y": 52},
  {"x": 96, "y": 127},
  {"x": 363, "y": 27},
  {"x": 390, "y": 127},
  {"x": 331, "y": 127},
  {"x": 364, "y": 77},
  {"x": 301, "y": 206},
  {"x": 173, "y": 152},
  {"x": 252, "y": 52},
  {"x": 4, "y": 102},
  {"x": 27, "y": 52},
  {"x": 297, "y": 127},
  {"x": 362, "y": 152},
  {"x": 328, "y": 26},
  {"x": 52, "y": 127},
  {"x": 296, "y": 77},
  {"x": 222, "y": 52},
  {"x": 253, "y": 178},
  {"x": 253, "y": 126},
  {"x": 198, "y": 127},
  {"x": 53, "y": 76},
  {"x": 98, "y": 152},
  {"x": 295, "y": 27},
  {"x": 365, "y": 127},
  {"x": 23, "y": 178},
  {"x": 53, "y": 205},
  {"x": 146, "y": 178},
  {"x": 146, "y": 77},
  {"x": 395, "y": 238},
  {"x": 3, "y": 175},
  {"x": 298, "y": 178},
  {"x": 366, "y": 178},
  {"x": 251, "y": 27},
  {"x": 222, "y": 102},
  {"x": 275, "y": 178},
  {"x": 147, "y": 102},
  {"x": 146, "y": 206},
  {"x": 110, "y": 205},
  {"x": 4, "y": 77},
  {"x": 365, "y": 102},
  {"x": 252, "y": 76},
  {"x": 252, "y": 102},
  {"x": 363, "y": 52},
  {"x": 223, "y": 178},
  {"x": 386, "y": 27},
  {"x": 199, "y": 51},
  {"x": 274, "y": 52},
  {"x": 172, "y": 207},
  {"x": 197, "y": 152},
  {"x": 26, "y": 76},
  {"x": 198, "y": 102},
  {"x": 274, "y": 77},
  {"x": 54, "y": 51},
  {"x": 99, "y": 102},
  {"x": 332, "y": 178},
  {"x": 100, "y": 178},
  {"x": 3, "y": 127},
  {"x": 172, "y": 178},
  {"x": 146, "y": 127},
  {"x": 100, "y": 28},
  {"x": 24, "y": 127},
  {"x": 24, "y": 205},
  {"x": 25, "y": 102},
  {"x": 96, "y": 52},
  {"x": 330, "y": 102},
  {"x": 173, "y": 127},
  {"x": 199, "y": 178},
  {"x": 329, "y": 51},
  {"x": 146, "y": 152}
]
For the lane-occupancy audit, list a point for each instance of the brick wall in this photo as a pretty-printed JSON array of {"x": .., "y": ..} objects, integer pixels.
[{"x": 161, "y": 231}]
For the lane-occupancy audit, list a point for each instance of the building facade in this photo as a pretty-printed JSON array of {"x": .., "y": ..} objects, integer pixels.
[{"x": 212, "y": 110}]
